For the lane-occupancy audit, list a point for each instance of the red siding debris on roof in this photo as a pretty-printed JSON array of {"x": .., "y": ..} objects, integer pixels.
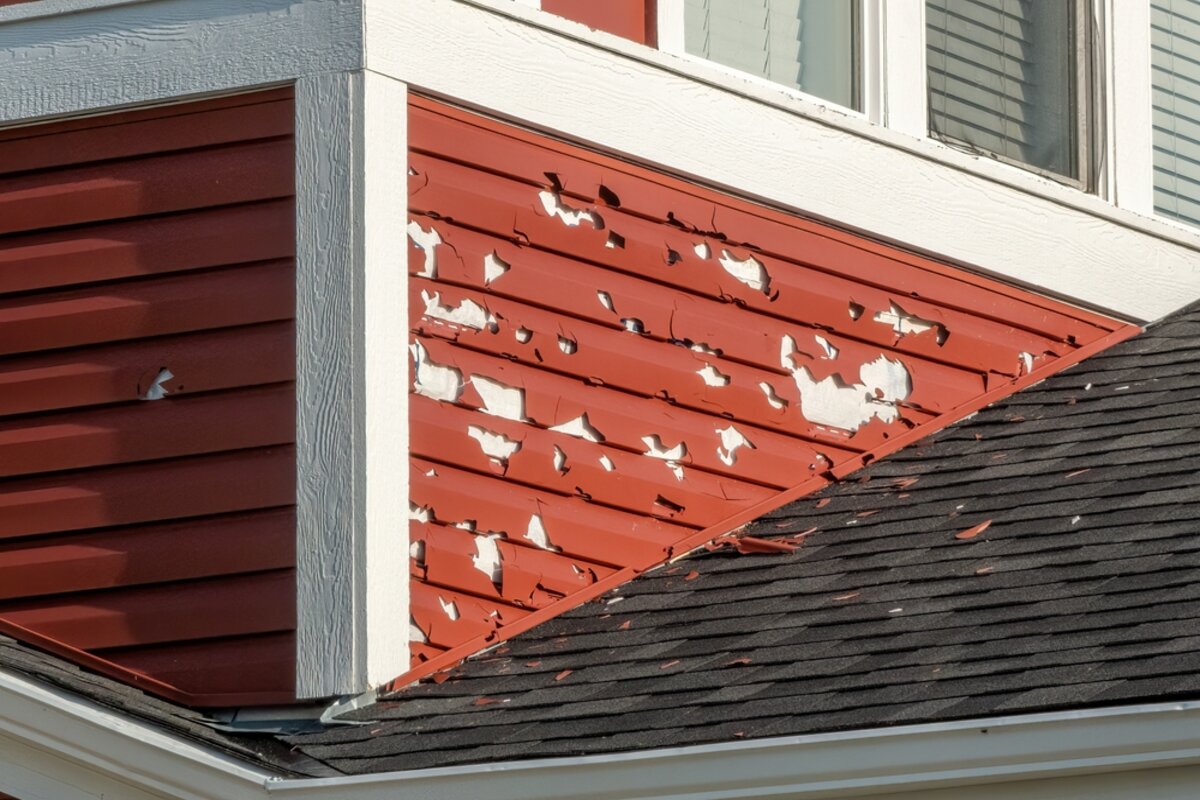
[
  {"x": 146, "y": 395},
  {"x": 612, "y": 366}
]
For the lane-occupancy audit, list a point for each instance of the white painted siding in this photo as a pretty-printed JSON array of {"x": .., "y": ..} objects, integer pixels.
[{"x": 1175, "y": 48}]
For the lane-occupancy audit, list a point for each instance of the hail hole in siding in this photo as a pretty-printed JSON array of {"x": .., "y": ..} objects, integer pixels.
[
  {"x": 580, "y": 428},
  {"x": 731, "y": 440},
  {"x": 487, "y": 557},
  {"x": 634, "y": 325},
  {"x": 560, "y": 460},
  {"x": 831, "y": 352},
  {"x": 833, "y": 402},
  {"x": 1025, "y": 362},
  {"x": 665, "y": 507},
  {"x": 568, "y": 346},
  {"x": 416, "y": 551},
  {"x": 467, "y": 314},
  {"x": 415, "y": 633},
  {"x": 420, "y": 513},
  {"x": 702, "y": 250},
  {"x": 671, "y": 455},
  {"x": 856, "y": 310},
  {"x": 608, "y": 196},
  {"x": 500, "y": 400},
  {"x": 905, "y": 324},
  {"x": 749, "y": 271},
  {"x": 773, "y": 398},
  {"x": 494, "y": 267},
  {"x": 156, "y": 390},
  {"x": 615, "y": 241},
  {"x": 536, "y": 533},
  {"x": 673, "y": 257},
  {"x": 571, "y": 217},
  {"x": 450, "y": 609},
  {"x": 523, "y": 335},
  {"x": 436, "y": 381},
  {"x": 713, "y": 376},
  {"x": 427, "y": 240},
  {"x": 496, "y": 446},
  {"x": 606, "y": 300},
  {"x": 607, "y": 463}
]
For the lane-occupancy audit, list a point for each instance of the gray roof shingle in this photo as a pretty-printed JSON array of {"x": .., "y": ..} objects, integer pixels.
[{"x": 1084, "y": 590}]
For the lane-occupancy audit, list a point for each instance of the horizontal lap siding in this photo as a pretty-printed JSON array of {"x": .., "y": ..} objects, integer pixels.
[
  {"x": 152, "y": 538},
  {"x": 551, "y": 286}
]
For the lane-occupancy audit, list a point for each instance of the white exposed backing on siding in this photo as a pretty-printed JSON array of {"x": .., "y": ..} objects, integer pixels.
[{"x": 1175, "y": 57}]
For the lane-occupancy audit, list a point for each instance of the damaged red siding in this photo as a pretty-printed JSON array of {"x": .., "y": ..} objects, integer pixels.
[
  {"x": 612, "y": 366},
  {"x": 146, "y": 395}
]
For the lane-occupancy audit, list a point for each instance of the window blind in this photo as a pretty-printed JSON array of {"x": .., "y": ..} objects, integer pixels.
[
  {"x": 1000, "y": 78},
  {"x": 1175, "y": 58},
  {"x": 805, "y": 44}
]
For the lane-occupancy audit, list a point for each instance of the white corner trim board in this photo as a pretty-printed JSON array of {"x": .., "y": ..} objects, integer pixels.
[
  {"x": 772, "y": 145},
  {"x": 94, "y": 55},
  {"x": 352, "y": 376},
  {"x": 56, "y": 745}
]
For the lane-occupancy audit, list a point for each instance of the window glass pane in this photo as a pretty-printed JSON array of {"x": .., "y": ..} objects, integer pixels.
[
  {"x": 1175, "y": 52},
  {"x": 1001, "y": 78},
  {"x": 805, "y": 44}
]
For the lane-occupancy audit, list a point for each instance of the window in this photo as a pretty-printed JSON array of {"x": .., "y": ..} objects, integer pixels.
[
  {"x": 1007, "y": 77},
  {"x": 810, "y": 45},
  {"x": 1175, "y": 53}
]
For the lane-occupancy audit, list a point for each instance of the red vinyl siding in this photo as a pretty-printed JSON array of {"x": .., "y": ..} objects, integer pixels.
[
  {"x": 632, "y": 19},
  {"x": 714, "y": 358},
  {"x": 153, "y": 539}
]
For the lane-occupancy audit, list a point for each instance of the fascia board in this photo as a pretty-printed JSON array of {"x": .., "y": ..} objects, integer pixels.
[
  {"x": 87, "y": 739},
  {"x": 83, "y": 735},
  {"x": 849, "y": 764},
  {"x": 63, "y": 57},
  {"x": 768, "y": 144}
]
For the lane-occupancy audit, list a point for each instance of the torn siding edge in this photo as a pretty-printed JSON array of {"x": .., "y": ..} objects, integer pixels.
[{"x": 707, "y": 535}]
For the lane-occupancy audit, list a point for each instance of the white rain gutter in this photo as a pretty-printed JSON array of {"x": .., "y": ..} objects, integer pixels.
[{"x": 86, "y": 745}]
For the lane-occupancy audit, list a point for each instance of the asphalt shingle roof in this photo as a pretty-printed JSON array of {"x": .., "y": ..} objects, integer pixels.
[{"x": 1083, "y": 590}]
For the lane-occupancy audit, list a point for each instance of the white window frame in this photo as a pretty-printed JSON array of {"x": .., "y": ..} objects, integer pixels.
[{"x": 1115, "y": 127}]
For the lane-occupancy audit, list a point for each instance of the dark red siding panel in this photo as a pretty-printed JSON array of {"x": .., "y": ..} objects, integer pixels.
[
  {"x": 147, "y": 400},
  {"x": 633, "y": 19},
  {"x": 613, "y": 366}
]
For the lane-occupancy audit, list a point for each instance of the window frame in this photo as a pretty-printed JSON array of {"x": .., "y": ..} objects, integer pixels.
[
  {"x": 1114, "y": 150},
  {"x": 1087, "y": 132}
]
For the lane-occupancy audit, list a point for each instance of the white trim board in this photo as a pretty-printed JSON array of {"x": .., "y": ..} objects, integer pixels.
[
  {"x": 104, "y": 55},
  {"x": 351, "y": 388},
  {"x": 52, "y": 739},
  {"x": 773, "y": 146}
]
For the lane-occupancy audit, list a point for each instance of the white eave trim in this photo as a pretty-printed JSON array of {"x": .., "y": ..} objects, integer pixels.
[
  {"x": 703, "y": 122},
  {"x": 84, "y": 739}
]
